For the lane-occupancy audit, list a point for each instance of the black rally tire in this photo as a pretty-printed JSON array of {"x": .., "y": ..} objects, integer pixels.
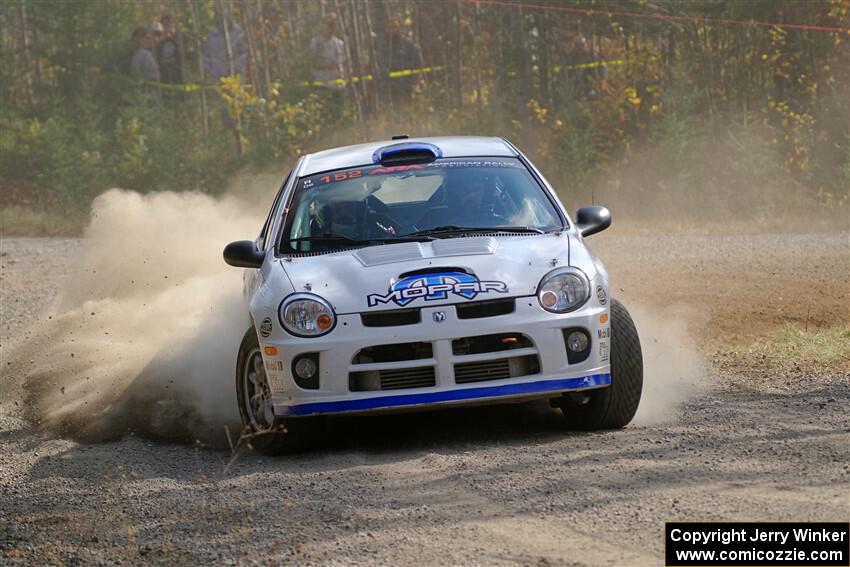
[
  {"x": 286, "y": 435},
  {"x": 615, "y": 406}
]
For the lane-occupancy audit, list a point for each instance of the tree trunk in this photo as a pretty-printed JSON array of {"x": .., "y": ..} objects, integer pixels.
[
  {"x": 264, "y": 52},
  {"x": 225, "y": 22},
  {"x": 199, "y": 50},
  {"x": 521, "y": 111},
  {"x": 379, "y": 22},
  {"x": 375, "y": 89},
  {"x": 479, "y": 109},
  {"x": 349, "y": 67},
  {"x": 458, "y": 87},
  {"x": 253, "y": 60},
  {"x": 25, "y": 53}
]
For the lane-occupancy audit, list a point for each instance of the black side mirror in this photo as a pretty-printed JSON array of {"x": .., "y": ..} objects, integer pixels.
[
  {"x": 590, "y": 220},
  {"x": 243, "y": 254}
]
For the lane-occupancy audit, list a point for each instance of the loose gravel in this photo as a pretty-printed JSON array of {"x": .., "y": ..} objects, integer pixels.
[{"x": 482, "y": 486}]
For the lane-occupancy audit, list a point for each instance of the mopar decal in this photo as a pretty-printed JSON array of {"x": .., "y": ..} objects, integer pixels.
[
  {"x": 266, "y": 327},
  {"x": 436, "y": 286},
  {"x": 601, "y": 295}
]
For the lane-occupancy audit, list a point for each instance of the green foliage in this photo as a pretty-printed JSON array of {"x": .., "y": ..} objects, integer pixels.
[
  {"x": 702, "y": 108},
  {"x": 54, "y": 155},
  {"x": 820, "y": 348}
]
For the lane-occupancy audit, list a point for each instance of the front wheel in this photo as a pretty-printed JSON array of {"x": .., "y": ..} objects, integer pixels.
[
  {"x": 615, "y": 406},
  {"x": 268, "y": 434}
]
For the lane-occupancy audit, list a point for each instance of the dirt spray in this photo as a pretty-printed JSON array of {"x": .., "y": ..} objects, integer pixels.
[{"x": 143, "y": 337}]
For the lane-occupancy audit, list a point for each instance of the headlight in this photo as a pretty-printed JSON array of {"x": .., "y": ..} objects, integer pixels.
[
  {"x": 306, "y": 315},
  {"x": 563, "y": 290}
]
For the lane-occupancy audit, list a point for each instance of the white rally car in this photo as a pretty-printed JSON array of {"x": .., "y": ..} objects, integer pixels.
[{"x": 418, "y": 273}]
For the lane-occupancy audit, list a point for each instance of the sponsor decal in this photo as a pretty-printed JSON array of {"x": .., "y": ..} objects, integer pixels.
[
  {"x": 436, "y": 286},
  {"x": 327, "y": 180},
  {"x": 601, "y": 295},
  {"x": 604, "y": 333},
  {"x": 474, "y": 163},
  {"x": 604, "y": 351},
  {"x": 395, "y": 169},
  {"x": 439, "y": 316},
  {"x": 266, "y": 327},
  {"x": 274, "y": 366}
]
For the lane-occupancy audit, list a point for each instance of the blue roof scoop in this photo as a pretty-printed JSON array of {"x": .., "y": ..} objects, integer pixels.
[{"x": 406, "y": 153}]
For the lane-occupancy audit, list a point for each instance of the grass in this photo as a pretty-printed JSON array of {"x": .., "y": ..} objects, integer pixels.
[
  {"x": 827, "y": 349},
  {"x": 17, "y": 220}
]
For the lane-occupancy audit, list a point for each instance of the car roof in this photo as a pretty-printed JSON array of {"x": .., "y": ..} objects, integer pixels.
[{"x": 361, "y": 154}]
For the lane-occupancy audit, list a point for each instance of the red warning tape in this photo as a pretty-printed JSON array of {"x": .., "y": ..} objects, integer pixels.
[{"x": 590, "y": 12}]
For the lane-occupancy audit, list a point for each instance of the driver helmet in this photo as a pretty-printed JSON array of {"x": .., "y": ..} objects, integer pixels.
[{"x": 465, "y": 188}]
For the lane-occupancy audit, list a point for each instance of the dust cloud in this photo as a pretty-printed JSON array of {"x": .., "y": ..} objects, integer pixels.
[
  {"x": 144, "y": 336},
  {"x": 730, "y": 179},
  {"x": 674, "y": 369}
]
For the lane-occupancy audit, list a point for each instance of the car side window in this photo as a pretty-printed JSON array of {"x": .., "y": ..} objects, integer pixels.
[{"x": 261, "y": 240}]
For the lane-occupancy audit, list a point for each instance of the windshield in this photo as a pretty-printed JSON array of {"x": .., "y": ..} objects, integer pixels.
[{"x": 378, "y": 204}]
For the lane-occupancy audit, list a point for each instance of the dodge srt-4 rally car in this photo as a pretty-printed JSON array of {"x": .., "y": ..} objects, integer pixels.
[{"x": 419, "y": 273}]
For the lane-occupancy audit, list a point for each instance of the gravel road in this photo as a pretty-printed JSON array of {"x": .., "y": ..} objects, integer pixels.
[{"x": 494, "y": 485}]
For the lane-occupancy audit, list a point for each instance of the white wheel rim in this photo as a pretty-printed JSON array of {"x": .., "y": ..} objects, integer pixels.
[{"x": 255, "y": 392}]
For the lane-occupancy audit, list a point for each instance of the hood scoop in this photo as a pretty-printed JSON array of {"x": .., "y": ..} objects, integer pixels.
[
  {"x": 389, "y": 254},
  {"x": 464, "y": 246},
  {"x": 408, "y": 251}
]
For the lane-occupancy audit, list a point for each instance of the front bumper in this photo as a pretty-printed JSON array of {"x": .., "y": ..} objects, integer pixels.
[{"x": 338, "y": 349}]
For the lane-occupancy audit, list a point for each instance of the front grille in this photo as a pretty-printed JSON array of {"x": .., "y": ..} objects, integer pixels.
[
  {"x": 392, "y": 379},
  {"x": 392, "y": 318},
  {"x": 490, "y": 343},
  {"x": 499, "y": 369},
  {"x": 480, "y": 309},
  {"x": 394, "y": 353}
]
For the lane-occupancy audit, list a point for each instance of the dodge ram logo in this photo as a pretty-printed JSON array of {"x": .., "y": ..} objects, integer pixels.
[
  {"x": 436, "y": 286},
  {"x": 439, "y": 316}
]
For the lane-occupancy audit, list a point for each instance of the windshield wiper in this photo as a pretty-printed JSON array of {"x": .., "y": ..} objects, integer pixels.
[
  {"x": 333, "y": 237},
  {"x": 449, "y": 229}
]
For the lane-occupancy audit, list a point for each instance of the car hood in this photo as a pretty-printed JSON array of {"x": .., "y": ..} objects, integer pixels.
[{"x": 441, "y": 272}]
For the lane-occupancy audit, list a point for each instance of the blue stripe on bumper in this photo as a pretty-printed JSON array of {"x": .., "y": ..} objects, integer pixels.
[{"x": 593, "y": 381}]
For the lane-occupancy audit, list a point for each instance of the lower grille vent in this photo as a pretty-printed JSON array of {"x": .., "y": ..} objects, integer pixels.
[
  {"x": 392, "y": 379},
  {"x": 499, "y": 369}
]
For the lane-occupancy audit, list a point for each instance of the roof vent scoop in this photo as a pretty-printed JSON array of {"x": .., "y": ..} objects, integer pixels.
[{"x": 406, "y": 153}]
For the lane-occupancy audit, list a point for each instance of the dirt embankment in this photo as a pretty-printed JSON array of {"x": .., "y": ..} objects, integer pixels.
[{"x": 735, "y": 287}]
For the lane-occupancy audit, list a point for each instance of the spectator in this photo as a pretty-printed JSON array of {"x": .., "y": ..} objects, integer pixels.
[
  {"x": 170, "y": 53},
  {"x": 214, "y": 53},
  {"x": 327, "y": 52},
  {"x": 157, "y": 31},
  {"x": 143, "y": 65},
  {"x": 404, "y": 55}
]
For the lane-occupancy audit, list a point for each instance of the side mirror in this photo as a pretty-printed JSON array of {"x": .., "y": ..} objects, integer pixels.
[
  {"x": 243, "y": 254},
  {"x": 590, "y": 220}
]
